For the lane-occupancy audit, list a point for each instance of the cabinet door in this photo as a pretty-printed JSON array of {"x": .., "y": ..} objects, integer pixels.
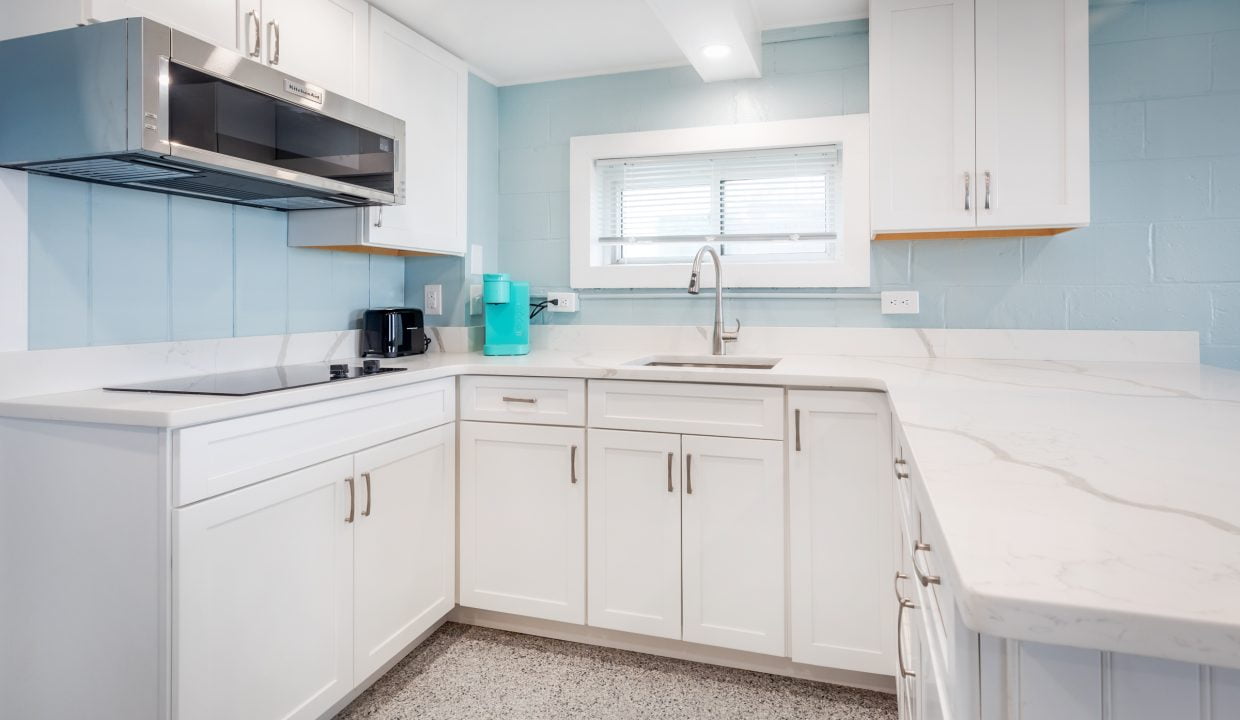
[
  {"x": 523, "y": 520},
  {"x": 428, "y": 88},
  {"x": 634, "y": 541},
  {"x": 1032, "y": 113},
  {"x": 922, "y": 115},
  {"x": 263, "y": 598},
  {"x": 404, "y": 543},
  {"x": 323, "y": 42},
  {"x": 733, "y": 543},
  {"x": 226, "y": 23},
  {"x": 841, "y": 534}
]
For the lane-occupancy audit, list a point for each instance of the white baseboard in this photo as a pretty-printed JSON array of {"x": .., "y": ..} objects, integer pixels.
[{"x": 676, "y": 649}]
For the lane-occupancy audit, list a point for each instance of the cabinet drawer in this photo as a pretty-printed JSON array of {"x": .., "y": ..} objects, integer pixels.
[
  {"x": 723, "y": 410},
  {"x": 541, "y": 401},
  {"x": 215, "y": 458}
]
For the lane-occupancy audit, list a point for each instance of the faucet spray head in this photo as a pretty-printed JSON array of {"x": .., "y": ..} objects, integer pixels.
[{"x": 694, "y": 285}]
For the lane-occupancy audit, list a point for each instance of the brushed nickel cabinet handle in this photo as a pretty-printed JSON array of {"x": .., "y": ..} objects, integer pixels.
[
  {"x": 572, "y": 462},
  {"x": 968, "y": 191},
  {"x": 255, "y": 49},
  {"x": 895, "y": 584},
  {"x": 904, "y": 605},
  {"x": 379, "y": 217},
  {"x": 922, "y": 577},
  {"x": 352, "y": 504},
  {"x": 273, "y": 46},
  {"x": 670, "y": 456},
  {"x": 796, "y": 417},
  {"x": 902, "y": 475},
  {"x": 366, "y": 477},
  {"x": 689, "y": 474},
  {"x": 987, "y": 176},
  {"x": 527, "y": 401}
]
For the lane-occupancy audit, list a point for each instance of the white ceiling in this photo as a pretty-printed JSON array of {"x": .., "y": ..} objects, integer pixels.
[{"x": 518, "y": 41}]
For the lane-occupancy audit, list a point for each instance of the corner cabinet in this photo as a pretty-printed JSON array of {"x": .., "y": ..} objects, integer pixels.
[
  {"x": 290, "y": 592},
  {"x": 979, "y": 116},
  {"x": 427, "y": 87}
]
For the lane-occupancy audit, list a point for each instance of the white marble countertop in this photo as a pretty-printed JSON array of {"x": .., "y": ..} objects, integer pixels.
[{"x": 1087, "y": 504}]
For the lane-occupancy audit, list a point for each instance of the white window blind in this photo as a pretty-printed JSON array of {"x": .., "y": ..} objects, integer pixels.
[{"x": 751, "y": 202}]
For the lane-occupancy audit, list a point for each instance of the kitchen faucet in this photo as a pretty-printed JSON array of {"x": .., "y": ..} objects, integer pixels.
[{"x": 720, "y": 335}]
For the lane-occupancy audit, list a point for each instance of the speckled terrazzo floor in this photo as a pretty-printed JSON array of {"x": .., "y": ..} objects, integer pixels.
[{"x": 463, "y": 672}]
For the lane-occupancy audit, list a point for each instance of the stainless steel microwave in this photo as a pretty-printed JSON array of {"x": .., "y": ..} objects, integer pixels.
[{"x": 135, "y": 103}]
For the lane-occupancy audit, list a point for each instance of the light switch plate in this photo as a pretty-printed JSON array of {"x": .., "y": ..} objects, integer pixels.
[
  {"x": 432, "y": 296},
  {"x": 475, "y": 261},
  {"x": 900, "y": 302},
  {"x": 475, "y": 299}
]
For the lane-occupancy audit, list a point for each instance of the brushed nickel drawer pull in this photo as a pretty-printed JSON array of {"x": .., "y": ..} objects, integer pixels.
[
  {"x": 689, "y": 474},
  {"x": 670, "y": 456},
  {"x": 968, "y": 191},
  {"x": 924, "y": 578},
  {"x": 366, "y": 477},
  {"x": 352, "y": 504},
  {"x": 572, "y": 462},
  {"x": 258, "y": 32},
  {"x": 527, "y": 401},
  {"x": 904, "y": 605},
  {"x": 796, "y": 416}
]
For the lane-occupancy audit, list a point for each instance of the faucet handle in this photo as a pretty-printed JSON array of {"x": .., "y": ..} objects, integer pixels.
[{"x": 734, "y": 334}]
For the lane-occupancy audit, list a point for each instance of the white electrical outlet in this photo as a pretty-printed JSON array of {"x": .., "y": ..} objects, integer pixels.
[
  {"x": 900, "y": 302},
  {"x": 432, "y": 296},
  {"x": 475, "y": 299},
  {"x": 567, "y": 302}
]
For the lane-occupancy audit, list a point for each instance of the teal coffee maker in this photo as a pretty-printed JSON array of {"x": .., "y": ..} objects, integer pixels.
[{"x": 507, "y": 315}]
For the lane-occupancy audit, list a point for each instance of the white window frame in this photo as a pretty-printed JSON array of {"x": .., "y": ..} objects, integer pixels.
[{"x": 852, "y": 269}]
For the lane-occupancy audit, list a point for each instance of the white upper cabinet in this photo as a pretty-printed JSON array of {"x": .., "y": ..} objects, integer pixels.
[
  {"x": 428, "y": 88},
  {"x": 979, "y": 116},
  {"x": 323, "y": 42},
  {"x": 232, "y": 24},
  {"x": 921, "y": 114},
  {"x": 840, "y": 530},
  {"x": 1032, "y": 113}
]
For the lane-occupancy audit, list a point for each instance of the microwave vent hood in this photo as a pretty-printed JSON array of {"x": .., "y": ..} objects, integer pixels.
[{"x": 137, "y": 104}]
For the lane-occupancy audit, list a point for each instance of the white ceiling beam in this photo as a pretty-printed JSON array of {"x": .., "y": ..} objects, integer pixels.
[{"x": 696, "y": 25}]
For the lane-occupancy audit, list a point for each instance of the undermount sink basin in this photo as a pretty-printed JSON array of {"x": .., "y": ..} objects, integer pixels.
[{"x": 723, "y": 362}]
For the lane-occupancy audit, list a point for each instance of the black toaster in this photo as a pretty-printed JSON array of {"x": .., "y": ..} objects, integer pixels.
[{"x": 393, "y": 332}]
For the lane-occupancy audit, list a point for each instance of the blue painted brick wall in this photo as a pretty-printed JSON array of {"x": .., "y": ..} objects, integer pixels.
[{"x": 1163, "y": 251}]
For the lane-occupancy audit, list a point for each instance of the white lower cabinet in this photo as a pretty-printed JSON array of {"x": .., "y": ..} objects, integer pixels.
[
  {"x": 634, "y": 541},
  {"x": 700, "y": 559},
  {"x": 290, "y": 592},
  {"x": 404, "y": 544},
  {"x": 263, "y": 598},
  {"x": 733, "y": 543},
  {"x": 840, "y": 530},
  {"x": 522, "y": 518}
]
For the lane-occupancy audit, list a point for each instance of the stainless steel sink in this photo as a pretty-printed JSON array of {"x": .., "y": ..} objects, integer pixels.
[{"x": 722, "y": 362}]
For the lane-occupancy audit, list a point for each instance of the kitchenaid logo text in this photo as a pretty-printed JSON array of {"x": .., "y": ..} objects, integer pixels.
[{"x": 308, "y": 92}]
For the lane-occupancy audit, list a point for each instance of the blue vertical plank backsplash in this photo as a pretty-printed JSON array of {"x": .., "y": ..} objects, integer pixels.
[
  {"x": 200, "y": 262},
  {"x": 128, "y": 266},
  {"x": 111, "y": 266},
  {"x": 59, "y": 263}
]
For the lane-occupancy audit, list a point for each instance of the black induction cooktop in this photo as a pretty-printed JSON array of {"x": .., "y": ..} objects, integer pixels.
[{"x": 264, "y": 380}]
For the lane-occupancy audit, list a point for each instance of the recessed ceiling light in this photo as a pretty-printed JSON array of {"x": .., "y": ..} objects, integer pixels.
[{"x": 716, "y": 51}]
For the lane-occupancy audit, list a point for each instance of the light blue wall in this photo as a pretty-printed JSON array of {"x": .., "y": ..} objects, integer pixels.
[
  {"x": 482, "y": 221},
  {"x": 110, "y": 265},
  {"x": 1163, "y": 251}
]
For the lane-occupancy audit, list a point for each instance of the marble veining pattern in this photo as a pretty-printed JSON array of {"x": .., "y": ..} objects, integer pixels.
[{"x": 473, "y": 673}]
